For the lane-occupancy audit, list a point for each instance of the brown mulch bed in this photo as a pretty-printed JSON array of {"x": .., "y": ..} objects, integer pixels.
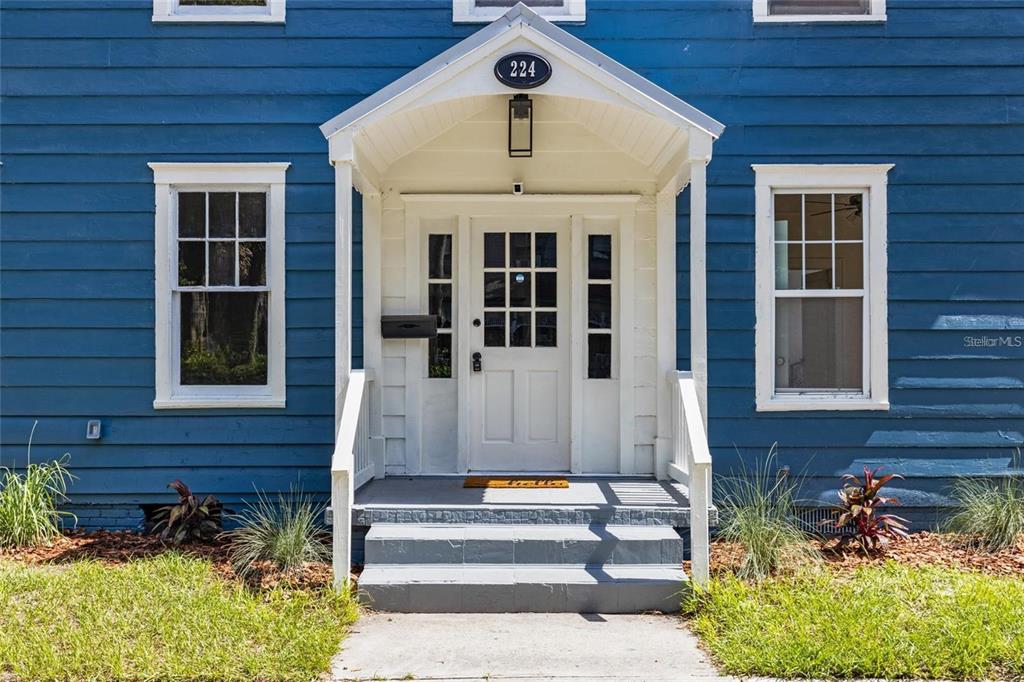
[
  {"x": 920, "y": 549},
  {"x": 119, "y": 547}
]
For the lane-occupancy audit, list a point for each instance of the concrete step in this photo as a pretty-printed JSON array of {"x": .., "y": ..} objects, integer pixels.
[
  {"x": 503, "y": 588},
  {"x": 522, "y": 544}
]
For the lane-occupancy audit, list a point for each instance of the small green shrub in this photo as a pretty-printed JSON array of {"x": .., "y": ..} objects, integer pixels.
[
  {"x": 859, "y": 503},
  {"x": 758, "y": 511},
  {"x": 28, "y": 501},
  {"x": 991, "y": 514},
  {"x": 285, "y": 533},
  {"x": 190, "y": 519}
]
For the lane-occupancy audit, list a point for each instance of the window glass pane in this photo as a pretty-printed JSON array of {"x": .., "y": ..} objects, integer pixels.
[
  {"x": 788, "y": 264},
  {"x": 440, "y": 304},
  {"x": 599, "y": 306},
  {"x": 191, "y": 263},
  {"x": 520, "y": 290},
  {"x": 599, "y": 356},
  {"x": 494, "y": 250},
  {"x": 191, "y": 214},
  {"x": 440, "y": 256},
  {"x": 849, "y": 216},
  {"x": 850, "y": 266},
  {"x": 547, "y": 289},
  {"x": 222, "y": 264},
  {"x": 494, "y": 330},
  {"x": 519, "y": 249},
  {"x": 519, "y": 329},
  {"x": 783, "y": 7},
  {"x": 599, "y": 258},
  {"x": 818, "y": 343},
  {"x": 494, "y": 289},
  {"x": 819, "y": 266},
  {"x": 252, "y": 214},
  {"x": 788, "y": 217},
  {"x": 246, "y": 3},
  {"x": 252, "y": 264},
  {"x": 439, "y": 357},
  {"x": 818, "y": 214},
  {"x": 546, "y": 329},
  {"x": 547, "y": 250},
  {"x": 224, "y": 338},
  {"x": 222, "y": 214}
]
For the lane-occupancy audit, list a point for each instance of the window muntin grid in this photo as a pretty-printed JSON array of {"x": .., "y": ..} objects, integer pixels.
[{"x": 520, "y": 282}]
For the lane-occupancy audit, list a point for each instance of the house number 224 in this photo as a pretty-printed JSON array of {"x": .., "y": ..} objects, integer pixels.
[{"x": 522, "y": 70}]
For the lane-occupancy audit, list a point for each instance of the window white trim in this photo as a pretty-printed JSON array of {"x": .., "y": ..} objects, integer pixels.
[
  {"x": 467, "y": 12},
  {"x": 876, "y": 14},
  {"x": 172, "y": 11},
  {"x": 168, "y": 179},
  {"x": 871, "y": 179}
]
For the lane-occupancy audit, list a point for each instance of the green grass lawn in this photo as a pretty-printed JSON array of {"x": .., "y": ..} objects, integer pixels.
[
  {"x": 886, "y": 621},
  {"x": 166, "y": 618}
]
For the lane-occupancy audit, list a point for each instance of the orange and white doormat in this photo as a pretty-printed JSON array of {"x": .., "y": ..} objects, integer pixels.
[{"x": 515, "y": 482}]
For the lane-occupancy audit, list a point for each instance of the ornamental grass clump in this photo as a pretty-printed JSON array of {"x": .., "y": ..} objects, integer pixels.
[
  {"x": 991, "y": 513},
  {"x": 28, "y": 501},
  {"x": 757, "y": 510},
  {"x": 284, "y": 533}
]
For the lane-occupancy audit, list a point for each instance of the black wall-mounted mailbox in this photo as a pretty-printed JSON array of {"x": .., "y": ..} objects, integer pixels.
[{"x": 408, "y": 326}]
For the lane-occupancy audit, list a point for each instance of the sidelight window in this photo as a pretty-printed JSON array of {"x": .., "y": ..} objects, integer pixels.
[
  {"x": 439, "y": 304},
  {"x": 599, "y": 306}
]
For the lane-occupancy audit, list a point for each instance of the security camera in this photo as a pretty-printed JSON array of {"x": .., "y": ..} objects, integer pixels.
[{"x": 517, "y": 188}]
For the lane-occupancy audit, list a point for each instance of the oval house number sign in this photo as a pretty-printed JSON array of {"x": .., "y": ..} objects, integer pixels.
[{"x": 522, "y": 70}]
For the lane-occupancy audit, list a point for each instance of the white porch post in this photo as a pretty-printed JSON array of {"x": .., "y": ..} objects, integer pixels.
[
  {"x": 665, "y": 212},
  {"x": 341, "y": 477},
  {"x": 700, "y": 154}
]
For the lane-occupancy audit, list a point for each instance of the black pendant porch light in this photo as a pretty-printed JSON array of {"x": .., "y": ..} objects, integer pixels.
[{"x": 520, "y": 126}]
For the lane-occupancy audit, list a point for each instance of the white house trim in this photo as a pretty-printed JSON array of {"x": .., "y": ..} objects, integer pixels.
[
  {"x": 469, "y": 12},
  {"x": 761, "y": 16},
  {"x": 168, "y": 179},
  {"x": 172, "y": 11},
  {"x": 871, "y": 179}
]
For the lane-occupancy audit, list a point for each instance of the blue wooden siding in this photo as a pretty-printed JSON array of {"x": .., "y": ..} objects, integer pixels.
[{"x": 93, "y": 90}]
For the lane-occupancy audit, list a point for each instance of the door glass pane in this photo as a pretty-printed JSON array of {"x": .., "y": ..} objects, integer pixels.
[
  {"x": 599, "y": 356},
  {"x": 519, "y": 329},
  {"x": 547, "y": 289},
  {"x": 191, "y": 263},
  {"x": 252, "y": 264},
  {"x": 850, "y": 266},
  {"x": 519, "y": 249},
  {"x": 788, "y": 217},
  {"x": 192, "y": 214},
  {"x": 222, "y": 214},
  {"x": 224, "y": 338},
  {"x": 599, "y": 256},
  {"x": 599, "y": 306},
  {"x": 440, "y": 256},
  {"x": 252, "y": 214},
  {"x": 494, "y": 330},
  {"x": 222, "y": 264},
  {"x": 520, "y": 293},
  {"x": 818, "y": 216},
  {"x": 440, "y": 304},
  {"x": 546, "y": 330},
  {"x": 546, "y": 250},
  {"x": 494, "y": 250},
  {"x": 819, "y": 266},
  {"x": 819, "y": 343},
  {"x": 849, "y": 216},
  {"x": 439, "y": 357},
  {"x": 494, "y": 289}
]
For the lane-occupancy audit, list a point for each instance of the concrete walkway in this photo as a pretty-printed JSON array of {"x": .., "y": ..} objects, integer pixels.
[{"x": 520, "y": 646}]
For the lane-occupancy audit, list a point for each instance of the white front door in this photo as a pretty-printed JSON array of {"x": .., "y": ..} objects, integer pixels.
[{"x": 520, "y": 322}]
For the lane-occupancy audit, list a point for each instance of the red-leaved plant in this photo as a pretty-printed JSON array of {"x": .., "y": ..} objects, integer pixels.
[
  {"x": 859, "y": 504},
  {"x": 190, "y": 519}
]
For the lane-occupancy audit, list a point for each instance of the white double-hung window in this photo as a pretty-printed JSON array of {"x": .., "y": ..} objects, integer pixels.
[
  {"x": 219, "y": 11},
  {"x": 821, "y": 336},
  {"x": 220, "y": 330}
]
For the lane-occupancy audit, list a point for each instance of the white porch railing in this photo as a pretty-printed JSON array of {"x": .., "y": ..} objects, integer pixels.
[
  {"x": 691, "y": 466},
  {"x": 356, "y": 461}
]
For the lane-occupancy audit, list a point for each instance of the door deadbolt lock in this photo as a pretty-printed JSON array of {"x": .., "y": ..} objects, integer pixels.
[{"x": 478, "y": 362}]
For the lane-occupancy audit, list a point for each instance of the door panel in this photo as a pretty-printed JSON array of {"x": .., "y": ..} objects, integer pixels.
[{"x": 519, "y": 412}]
